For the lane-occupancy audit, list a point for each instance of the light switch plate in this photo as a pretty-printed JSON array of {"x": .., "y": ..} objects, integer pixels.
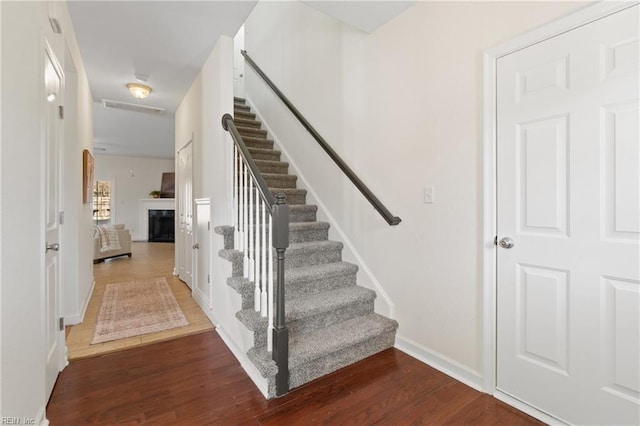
[{"x": 429, "y": 195}]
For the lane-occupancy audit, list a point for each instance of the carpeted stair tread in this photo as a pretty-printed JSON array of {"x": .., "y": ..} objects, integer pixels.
[
  {"x": 325, "y": 270},
  {"x": 227, "y": 234},
  {"x": 302, "y": 226},
  {"x": 257, "y": 142},
  {"x": 270, "y": 166},
  {"x": 243, "y": 114},
  {"x": 251, "y": 131},
  {"x": 313, "y": 253},
  {"x": 303, "y": 281},
  {"x": 310, "y": 306},
  {"x": 308, "y": 231},
  {"x": 241, "y": 284},
  {"x": 244, "y": 122},
  {"x": 264, "y": 153},
  {"x": 237, "y": 99},
  {"x": 297, "y": 255},
  {"x": 300, "y": 232},
  {"x": 304, "y": 348},
  {"x": 241, "y": 107},
  {"x": 294, "y": 195},
  {"x": 302, "y": 212},
  {"x": 230, "y": 254},
  {"x": 274, "y": 180}
]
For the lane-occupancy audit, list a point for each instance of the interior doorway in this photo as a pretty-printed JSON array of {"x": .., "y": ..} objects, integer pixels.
[
  {"x": 184, "y": 205},
  {"x": 53, "y": 196},
  {"x": 565, "y": 292}
]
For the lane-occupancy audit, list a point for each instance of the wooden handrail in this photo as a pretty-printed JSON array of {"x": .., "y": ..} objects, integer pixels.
[{"x": 375, "y": 202}]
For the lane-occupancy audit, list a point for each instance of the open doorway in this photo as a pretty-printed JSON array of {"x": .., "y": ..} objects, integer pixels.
[{"x": 125, "y": 205}]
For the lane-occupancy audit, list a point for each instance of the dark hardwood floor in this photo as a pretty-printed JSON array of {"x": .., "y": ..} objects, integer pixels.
[{"x": 195, "y": 380}]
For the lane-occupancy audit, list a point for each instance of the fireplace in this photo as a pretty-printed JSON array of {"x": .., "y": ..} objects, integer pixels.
[{"x": 161, "y": 226}]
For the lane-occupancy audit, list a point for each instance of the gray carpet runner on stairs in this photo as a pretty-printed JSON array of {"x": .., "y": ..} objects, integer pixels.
[{"x": 331, "y": 319}]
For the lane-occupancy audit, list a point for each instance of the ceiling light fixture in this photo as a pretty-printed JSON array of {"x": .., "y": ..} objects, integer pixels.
[{"x": 139, "y": 91}]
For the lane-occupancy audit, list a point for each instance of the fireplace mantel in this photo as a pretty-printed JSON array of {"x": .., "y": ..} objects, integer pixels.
[{"x": 145, "y": 205}]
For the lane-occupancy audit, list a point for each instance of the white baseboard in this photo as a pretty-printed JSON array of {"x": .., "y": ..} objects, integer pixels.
[
  {"x": 245, "y": 362},
  {"x": 441, "y": 363},
  {"x": 79, "y": 317},
  {"x": 72, "y": 319},
  {"x": 528, "y": 409},
  {"x": 40, "y": 419},
  {"x": 204, "y": 305},
  {"x": 87, "y": 299}
]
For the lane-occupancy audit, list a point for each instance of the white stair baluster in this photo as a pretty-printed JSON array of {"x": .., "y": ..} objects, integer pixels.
[
  {"x": 270, "y": 289},
  {"x": 252, "y": 208},
  {"x": 257, "y": 251},
  {"x": 263, "y": 263},
  {"x": 235, "y": 213},
  {"x": 245, "y": 220},
  {"x": 240, "y": 204}
]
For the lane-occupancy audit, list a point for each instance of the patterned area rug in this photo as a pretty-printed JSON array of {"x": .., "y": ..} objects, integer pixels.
[{"x": 137, "y": 307}]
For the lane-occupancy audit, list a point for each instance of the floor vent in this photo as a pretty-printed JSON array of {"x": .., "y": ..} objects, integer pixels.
[{"x": 132, "y": 107}]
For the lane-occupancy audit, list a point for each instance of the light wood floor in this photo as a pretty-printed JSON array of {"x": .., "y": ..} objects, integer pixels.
[{"x": 149, "y": 260}]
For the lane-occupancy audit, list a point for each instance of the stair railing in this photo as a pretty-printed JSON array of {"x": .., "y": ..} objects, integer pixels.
[
  {"x": 261, "y": 222},
  {"x": 375, "y": 202}
]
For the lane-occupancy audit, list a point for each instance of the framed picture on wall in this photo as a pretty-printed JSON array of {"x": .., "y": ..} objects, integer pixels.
[
  {"x": 87, "y": 177},
  {"x": 168, "y": 187}
]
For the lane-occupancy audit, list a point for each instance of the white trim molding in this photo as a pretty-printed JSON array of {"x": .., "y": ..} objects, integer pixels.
[
  {"x": 440, "y": 362},
  {"x": 574, "y": 20},
  {"x": 248, "y": 366},
  {"x": 528, "y": 409},
  {"x": 79, "y": 317}
]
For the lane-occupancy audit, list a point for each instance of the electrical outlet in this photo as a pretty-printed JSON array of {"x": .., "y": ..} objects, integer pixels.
[{"x": 429, "y": 195}]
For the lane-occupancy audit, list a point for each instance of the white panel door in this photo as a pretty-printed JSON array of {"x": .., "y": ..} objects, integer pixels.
[
  {"x": 54, "y": 334},
  {"x": 185, "y": 214},
  {"x": 202, "y": 282},
  {"x": 568, "y": 291}
]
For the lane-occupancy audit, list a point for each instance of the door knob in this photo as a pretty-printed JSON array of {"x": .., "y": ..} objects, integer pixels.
[
  {"x": 54, "y": 247},
  {"x": 506, "y": 243},
  {"x": 195, "y": 246}
]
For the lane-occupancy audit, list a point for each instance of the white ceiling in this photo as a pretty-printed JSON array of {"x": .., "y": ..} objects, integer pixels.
[
  {"x": 168, "y": 41},
  {"x": 132, "y": 134},
  {"x": 365, "y": 15}
]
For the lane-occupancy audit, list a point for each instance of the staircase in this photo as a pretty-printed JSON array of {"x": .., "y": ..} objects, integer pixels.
[{"x": 331, "y": 319}]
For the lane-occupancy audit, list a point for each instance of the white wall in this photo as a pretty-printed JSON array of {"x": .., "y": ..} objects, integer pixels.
[
  {"x": 199, "y": 115},
  {"x": 77, "y": 244},
  {"x": 1, "y": 189},
  {"x": 23, "y": 26},
  {"x": 133, "y": 179},
  {"x": 402, "y": 106}
]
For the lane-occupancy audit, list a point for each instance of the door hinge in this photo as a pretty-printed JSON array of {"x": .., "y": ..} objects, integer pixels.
[
  {"x": 61, "y": 218},
  {"x": 495, "y": 240},
  {"x": 208, "y": 226},
  {"x": 61, "y": 112},
  {"x": 61, "y": 323},
  {"x": 208, "y": 278}
]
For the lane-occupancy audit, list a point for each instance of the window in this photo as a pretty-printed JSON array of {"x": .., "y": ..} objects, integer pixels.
[{"x": 102, "y": 201}]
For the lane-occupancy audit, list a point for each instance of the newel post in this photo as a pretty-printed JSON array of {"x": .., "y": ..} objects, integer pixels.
[{"x": 280, "y": 214}]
